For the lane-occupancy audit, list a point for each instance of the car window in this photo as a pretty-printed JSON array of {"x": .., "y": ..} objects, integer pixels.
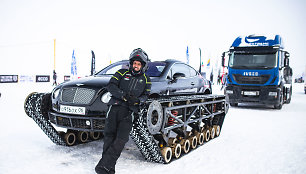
[
  {"x": 155, "y": 69},
  {"x": 180, "y": 68},
  {"x": 193, "y": 72},
  {"x": 111, "y": 70}
]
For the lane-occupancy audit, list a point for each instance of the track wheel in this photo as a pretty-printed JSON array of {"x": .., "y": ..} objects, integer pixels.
[
  {"x": 82, "y": 136},
  {"x": 193, "y": 141},
  {"x": 70, "y": 138},
  {"x": 185, "y": 145},
  {"x": 217, "y": 130},
  {"x": 212, "y": 132},
  {"x": 94, "y": 135},
  {"x": 206, "y": 135},
  {"x": 167, "y": 154},
  {"x": 200, "y": 137},
  {"x": 177, "y": 150}
]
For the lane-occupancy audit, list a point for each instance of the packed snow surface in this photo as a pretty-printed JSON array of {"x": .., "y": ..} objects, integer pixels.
[{"x": 254, "y": 139}]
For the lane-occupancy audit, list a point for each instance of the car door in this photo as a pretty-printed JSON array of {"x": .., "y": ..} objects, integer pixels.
[{"x": 180, "y": 80}]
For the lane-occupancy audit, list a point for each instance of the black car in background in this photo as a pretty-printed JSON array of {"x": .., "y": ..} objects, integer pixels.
[{"x": 76, "y": 103}]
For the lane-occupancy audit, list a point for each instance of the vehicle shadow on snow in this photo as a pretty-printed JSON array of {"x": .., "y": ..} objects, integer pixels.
[
  {"x": 254, "y": 106},
  {"x": 92, "y": 152}
]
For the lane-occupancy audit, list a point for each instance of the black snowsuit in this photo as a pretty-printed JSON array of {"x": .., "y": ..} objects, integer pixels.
[{"x": 119, "y": 120}]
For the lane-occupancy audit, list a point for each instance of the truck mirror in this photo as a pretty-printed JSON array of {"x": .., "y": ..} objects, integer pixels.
[
  {"x": 223, "y": 58},
  {"x": 286, "y": 62},
  {"x": 287, "y": 55}
]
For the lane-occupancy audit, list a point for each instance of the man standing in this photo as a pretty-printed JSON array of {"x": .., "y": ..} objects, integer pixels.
[
  {"x": 129, "y": 88},
  {"x": 54, "y": 78}
]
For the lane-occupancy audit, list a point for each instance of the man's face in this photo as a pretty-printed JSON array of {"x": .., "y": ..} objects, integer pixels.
[{"x": 136, "y": 65}]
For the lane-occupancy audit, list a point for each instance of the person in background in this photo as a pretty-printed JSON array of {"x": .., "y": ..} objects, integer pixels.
[
  {"x": 54, "y": 78},
  {"x": 129, "y": 88}
]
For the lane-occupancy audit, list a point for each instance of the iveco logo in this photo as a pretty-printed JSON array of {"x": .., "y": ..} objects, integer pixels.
[
  {"x": 250, "y": 73},
  {"x": 79, "y": 84}
]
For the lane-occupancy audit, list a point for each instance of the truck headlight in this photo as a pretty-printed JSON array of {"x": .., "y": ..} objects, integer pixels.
[
  {"x": 106, "y": 97},
  {"x": 229, "y": 92},
  {"x": 272, "y": 93}
]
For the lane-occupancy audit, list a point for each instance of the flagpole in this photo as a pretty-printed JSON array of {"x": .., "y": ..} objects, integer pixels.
[
  {"x": 54, "y": 54},
  {"x": 200, "y": 61}
]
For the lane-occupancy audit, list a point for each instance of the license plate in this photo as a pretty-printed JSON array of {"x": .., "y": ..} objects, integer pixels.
[
  {"x": 72, "y": 110},
  {"x": 251, "y": 92}
]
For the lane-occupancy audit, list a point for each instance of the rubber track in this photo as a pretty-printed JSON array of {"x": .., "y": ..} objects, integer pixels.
[
  {"x": 32, "y": 108},
  {"x": 144, "y": 140}
]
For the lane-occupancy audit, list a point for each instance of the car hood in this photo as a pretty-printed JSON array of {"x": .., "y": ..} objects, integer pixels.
[{"x": 91, "y": 82}]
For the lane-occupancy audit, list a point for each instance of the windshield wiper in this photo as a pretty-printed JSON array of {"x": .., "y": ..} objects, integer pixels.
[
  {"x": 241, "y": 66},
  {"x": 265, "y": 67}
]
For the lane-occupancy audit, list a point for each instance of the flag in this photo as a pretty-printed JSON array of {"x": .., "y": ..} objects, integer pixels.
[
  {"x": 187, "y": 55},
  {"x": 93, "y": 64},
  {"x": 73, "y": 66},
  {"x": 208, "y": 62}
]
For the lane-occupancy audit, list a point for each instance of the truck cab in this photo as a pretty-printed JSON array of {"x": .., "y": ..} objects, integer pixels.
[{"x": 258, "y": 71}]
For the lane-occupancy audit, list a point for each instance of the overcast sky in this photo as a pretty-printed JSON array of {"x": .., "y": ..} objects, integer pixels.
[{"x": 163, "y": 28}]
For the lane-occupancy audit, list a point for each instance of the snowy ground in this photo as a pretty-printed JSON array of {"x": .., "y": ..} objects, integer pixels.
[{"x": 254, "y": 139}]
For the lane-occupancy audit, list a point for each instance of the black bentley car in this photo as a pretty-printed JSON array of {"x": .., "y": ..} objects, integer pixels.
[{"x": 77, "y": 104}]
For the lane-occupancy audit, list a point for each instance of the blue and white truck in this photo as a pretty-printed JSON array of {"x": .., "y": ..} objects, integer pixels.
[{"x": 258, "y": 71}]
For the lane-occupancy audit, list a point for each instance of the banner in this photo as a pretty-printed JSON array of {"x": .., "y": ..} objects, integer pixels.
[
  {"x": 93, "y": 64},
  {"x": 8, "y": 78},
  {"x": 187, "y": 55},
  {"x": 42, "y": 78},
  {"x": 208, "y": 63},
  {"x": 73, "y": 66},
  {"x": 26, "y": 78},
  {"x": 66, "y": 78}
]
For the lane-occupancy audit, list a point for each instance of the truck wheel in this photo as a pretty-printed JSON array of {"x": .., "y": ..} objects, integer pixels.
[
  {"x": 280, "y": 105},
  {"x": 289, "y": 96}
]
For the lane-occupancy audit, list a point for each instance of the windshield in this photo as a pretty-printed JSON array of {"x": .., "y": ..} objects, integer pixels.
[
  {"x": 154, "y": 68},
  {"x": 251, "y": 60}
]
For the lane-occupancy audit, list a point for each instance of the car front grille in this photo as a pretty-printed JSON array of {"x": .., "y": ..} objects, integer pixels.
[
  {"x": 251, "y": 79},
  {"x": 77, "y": 95},
  {"x": 79, "y": 123}
]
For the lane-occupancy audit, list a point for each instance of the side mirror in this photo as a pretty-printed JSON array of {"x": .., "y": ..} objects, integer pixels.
[
  {"x": 286, "y": 63},
  {"x": 178, "y": 75},
  {"x": 223, "y": 58},
  {"x": 175, "y": 77},
  {"x": 287, "y": 55}
]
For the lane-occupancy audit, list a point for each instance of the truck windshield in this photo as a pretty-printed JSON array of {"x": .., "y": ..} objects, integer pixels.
[{"x": 251, "y": 60}]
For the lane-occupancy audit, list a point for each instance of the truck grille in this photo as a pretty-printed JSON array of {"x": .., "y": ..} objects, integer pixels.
[
  {"x": 251, "y": 79},
  {"x": 77, "y": 95}
]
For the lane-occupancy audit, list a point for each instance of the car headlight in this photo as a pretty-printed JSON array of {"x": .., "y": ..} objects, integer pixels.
[
  {"x": 106, "y": 97},
  {"x": 55, "y": 93}
]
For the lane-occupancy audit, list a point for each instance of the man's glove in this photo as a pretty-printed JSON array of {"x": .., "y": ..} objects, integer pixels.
[{"x": 132, "y": 100}]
